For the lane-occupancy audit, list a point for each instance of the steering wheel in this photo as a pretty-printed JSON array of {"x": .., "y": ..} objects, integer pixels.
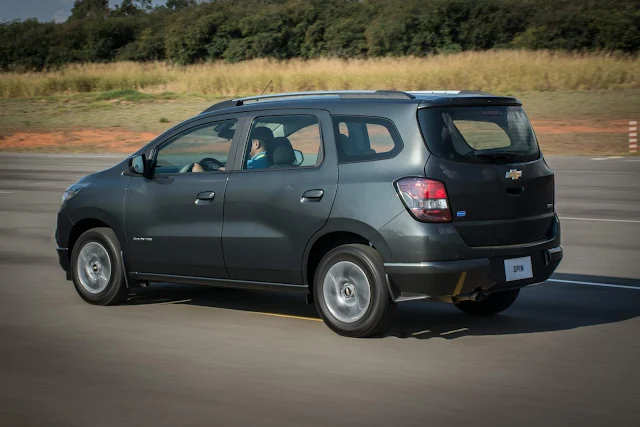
[
  {"x": 211, "y": 164},
  {"x": 208, "y": 164}
]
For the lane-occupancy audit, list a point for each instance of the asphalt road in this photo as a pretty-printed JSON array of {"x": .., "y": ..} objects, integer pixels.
[{"x": 565, "y": 354}]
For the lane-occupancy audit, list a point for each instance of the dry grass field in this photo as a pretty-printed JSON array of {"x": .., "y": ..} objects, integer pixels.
[
  {"x": 566, "y": 122},
  {"x": 578, "y": 103},
  {"x": 495, "y": 71}
]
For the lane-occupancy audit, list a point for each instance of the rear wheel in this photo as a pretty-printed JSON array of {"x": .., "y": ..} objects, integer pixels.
[
  {"x": 492, "y": 304},
  {"x": 351, "y": 292},
  {"x": 96, "y": 267}
]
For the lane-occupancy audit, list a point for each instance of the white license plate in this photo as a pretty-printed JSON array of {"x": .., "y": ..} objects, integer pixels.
[{"x": 518, "y": 268}]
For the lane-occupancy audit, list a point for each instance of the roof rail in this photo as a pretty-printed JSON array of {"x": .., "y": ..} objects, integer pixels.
[
  {"x": 436, "y": 92},
  {"x": 449, "y": 92},
  {"x": 342, "y": 94}
]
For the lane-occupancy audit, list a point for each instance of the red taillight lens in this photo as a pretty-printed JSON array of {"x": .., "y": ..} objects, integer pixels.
[{"x": 426, "y": 199}]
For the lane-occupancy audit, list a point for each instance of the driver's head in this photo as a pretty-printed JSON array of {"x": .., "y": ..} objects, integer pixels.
[{"x": 259, "y": 140}]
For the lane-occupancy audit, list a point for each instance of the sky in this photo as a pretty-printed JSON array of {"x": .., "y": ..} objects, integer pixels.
[{"x": 44, "y": 10}]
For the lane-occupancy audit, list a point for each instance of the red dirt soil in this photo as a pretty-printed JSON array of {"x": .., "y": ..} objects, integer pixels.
[
  {"x": 585, "y": 137},
  {"x": 77, "y": 141}
]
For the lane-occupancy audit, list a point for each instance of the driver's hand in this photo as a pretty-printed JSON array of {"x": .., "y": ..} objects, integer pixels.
[{"x": 197, "y": 168}]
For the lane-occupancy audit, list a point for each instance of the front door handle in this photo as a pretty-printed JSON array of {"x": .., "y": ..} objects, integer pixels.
[
  {"x": 205, "y": 196},
  {"x": 312, "y": 196}
]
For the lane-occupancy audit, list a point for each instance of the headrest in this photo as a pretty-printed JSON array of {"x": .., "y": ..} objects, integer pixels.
[{"x": 282, "y": 152}]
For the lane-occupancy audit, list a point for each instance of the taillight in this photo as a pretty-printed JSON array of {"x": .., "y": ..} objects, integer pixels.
[{"x": 426, "y": 199}]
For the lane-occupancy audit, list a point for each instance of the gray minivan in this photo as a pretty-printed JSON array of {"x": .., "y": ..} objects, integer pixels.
[{"x": 358, "y": 199}]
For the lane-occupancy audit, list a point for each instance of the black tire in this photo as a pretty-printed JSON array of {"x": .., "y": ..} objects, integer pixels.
[
  {"x": 492, "y": 304},
  {"x": 380, "y": 309},
  {"x": 116, "y": 288}
]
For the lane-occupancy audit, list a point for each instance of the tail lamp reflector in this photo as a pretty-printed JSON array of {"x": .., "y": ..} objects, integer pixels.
[{"x": 426, "y": 199}]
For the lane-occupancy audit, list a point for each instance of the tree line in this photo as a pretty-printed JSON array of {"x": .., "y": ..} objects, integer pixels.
[{"x": 190, "y": 31}]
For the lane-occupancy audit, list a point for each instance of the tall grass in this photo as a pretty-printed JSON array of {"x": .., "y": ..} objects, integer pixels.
[{"x": 497, "y": 71}]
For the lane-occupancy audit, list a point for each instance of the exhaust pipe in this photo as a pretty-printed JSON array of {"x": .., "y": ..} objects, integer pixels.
[{"x": 473, "y": 296}]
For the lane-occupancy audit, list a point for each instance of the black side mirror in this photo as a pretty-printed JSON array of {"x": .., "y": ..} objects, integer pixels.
[
  {"x": 299, "y": 157},
  {"x": 137, "y": 164}
]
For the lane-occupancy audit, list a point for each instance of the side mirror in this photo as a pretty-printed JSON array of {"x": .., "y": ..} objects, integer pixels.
[
  {"x": 137, "y": 164},
  {"x": 299, "y": 157}
]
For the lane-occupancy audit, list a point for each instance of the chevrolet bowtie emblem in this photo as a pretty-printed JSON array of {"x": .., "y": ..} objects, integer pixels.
[{"x": 513, "y": 174}]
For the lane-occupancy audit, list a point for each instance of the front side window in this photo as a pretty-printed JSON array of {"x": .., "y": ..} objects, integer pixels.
[
  {"x": 283, "y": 142},
  {"x": 365, "y": 138},
  {"x": 203, "y": 149}
]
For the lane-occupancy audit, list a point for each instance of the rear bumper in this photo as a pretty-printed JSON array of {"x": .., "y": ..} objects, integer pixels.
[{"x": 463, "y": 277}]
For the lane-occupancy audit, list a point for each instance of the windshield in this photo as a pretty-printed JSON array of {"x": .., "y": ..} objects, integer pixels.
[{"x": 493, "y": 134}]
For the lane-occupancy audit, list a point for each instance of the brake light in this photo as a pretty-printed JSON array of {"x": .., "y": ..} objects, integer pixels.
[{"x": 426, "y": 199}]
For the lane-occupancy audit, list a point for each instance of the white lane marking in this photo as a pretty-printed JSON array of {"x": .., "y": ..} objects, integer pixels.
[
  {"x": 603, "y": 285},
  {"x": 632, "y": 221},
  {"x": 454, "y": 331},
  {"x": 5, "y": 192},
  {"x": 632, "y": 160},
  {"x": 591, "y": 172}
]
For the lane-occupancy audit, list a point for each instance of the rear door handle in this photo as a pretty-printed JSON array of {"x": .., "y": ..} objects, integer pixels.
[
  {"x": 312, "y": 196},
  {"x": 205, "y": 196}
]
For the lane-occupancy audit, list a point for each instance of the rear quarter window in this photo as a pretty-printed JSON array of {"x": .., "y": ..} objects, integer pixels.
[{"x": 365, "y": 138}]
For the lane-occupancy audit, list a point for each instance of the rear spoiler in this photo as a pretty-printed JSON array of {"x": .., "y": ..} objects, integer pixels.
[{"x": 470, "y": 101}]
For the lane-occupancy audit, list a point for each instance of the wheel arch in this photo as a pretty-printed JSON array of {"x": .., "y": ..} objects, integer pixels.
[
  {"x": 86, "y": 219},
  {"x": 335, "y": 233}
]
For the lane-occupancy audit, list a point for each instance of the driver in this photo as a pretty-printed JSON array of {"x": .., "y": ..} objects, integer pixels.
[
  {"x": 257, "y": 150},
  {"x": 197, "y": 168}
]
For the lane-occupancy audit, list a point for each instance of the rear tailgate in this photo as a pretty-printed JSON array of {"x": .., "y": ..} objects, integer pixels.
[
  {"x": 501, "y": 191},
  {"x": 491, "y": 210}
]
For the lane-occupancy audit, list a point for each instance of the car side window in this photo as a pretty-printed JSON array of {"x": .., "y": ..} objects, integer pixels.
[
  {"x": 365, "y": 138},
  {"x": 203, "y": 149},
  {"x": 283, "y": 142}
]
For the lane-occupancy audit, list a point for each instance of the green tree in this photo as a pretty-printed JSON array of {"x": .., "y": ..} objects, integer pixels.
[
  {"x": 179, "y": 4},
  {"x": 89, "y": 9},
  {"x": 188, "y": 31}
]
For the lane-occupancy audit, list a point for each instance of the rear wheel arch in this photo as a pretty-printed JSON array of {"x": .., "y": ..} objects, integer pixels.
[{"x": 336, "y": 234}]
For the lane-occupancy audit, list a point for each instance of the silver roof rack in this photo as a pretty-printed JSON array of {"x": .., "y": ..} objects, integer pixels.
[
  {"x": 448, "y": 92},
  {"x": 342, "y": 94},
  {"x": 345, "y": 94}
]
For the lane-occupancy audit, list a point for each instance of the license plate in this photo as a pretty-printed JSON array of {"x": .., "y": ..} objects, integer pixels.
[{"x": 518, "y": 268}]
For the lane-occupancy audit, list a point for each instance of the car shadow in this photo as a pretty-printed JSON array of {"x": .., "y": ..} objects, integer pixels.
[{"x": 551, "y": 306}]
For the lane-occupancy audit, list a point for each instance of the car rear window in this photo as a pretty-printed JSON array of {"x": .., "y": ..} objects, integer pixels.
[
  {"x": 495, "y": 134},
  {"x": 365, "y": 138}
]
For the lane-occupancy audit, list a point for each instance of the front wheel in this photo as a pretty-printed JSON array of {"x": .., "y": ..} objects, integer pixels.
[
  {"x": 350, "y": 289},
  {"x": 492, "y": 304},
  {"x": 96, "y": 267}
]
